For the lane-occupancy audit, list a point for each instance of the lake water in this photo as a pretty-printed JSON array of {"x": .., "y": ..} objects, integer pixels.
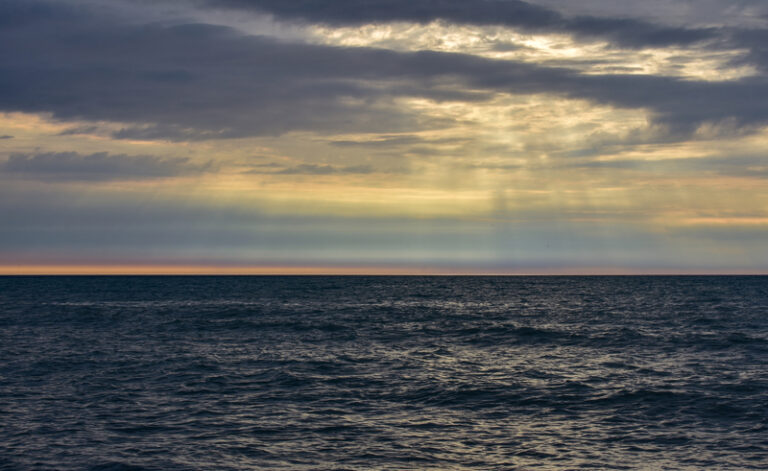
[{"x": 396, "y": 373}]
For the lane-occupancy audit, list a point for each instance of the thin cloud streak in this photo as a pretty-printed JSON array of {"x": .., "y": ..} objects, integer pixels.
[{"x": 101, "y": 166}]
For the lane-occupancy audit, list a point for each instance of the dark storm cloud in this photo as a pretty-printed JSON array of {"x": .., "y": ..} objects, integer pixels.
[
  {"x": 197, "y": 81},
  {"x": 626, "y": 32},
  {"x": 71, "y": 166},
  {"x": 6, "y": 136}
]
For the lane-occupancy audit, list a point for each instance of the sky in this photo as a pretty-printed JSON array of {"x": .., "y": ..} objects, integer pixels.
[{"x": 384, "y": 136}]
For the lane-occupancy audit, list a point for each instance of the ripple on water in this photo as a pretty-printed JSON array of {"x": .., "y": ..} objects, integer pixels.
[{"x": 231, "y": 373}]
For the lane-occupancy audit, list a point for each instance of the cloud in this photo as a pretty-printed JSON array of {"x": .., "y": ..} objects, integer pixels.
[
  {"x": 700, "y": 12},
  {"x": 14, "y": 14},
  {"x": 197, "y": 81},
  {"x": 381, "y": 141},
  {"x": 6, "y": 136},
  {"x": 395, "y": 140},
  {"x": 124, "y": 70},
  {"x": 194, "y": 81},
  {"x": 750, "y": 166},
  {"x": 311, "y": 169},
  {"x": 625, "y": 32},
  {"x": 101, "y": 166},
  {"x": 756, "y": 42}
]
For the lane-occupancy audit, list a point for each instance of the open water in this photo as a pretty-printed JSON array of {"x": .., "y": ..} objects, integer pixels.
[{"x": 395, "y": 373}]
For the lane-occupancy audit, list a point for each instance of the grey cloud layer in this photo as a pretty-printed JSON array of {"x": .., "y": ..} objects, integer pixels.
[
  {"x": 753, "y": 166},
  {"x": 197, "y": 81},
  {"x": 101, "y": 166},
  {"x": 311, "y": 169},
  {"x": 626, "y": 32}
]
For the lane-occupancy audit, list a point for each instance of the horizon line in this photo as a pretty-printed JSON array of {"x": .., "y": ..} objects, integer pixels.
[{"x": 329, "y": 270}]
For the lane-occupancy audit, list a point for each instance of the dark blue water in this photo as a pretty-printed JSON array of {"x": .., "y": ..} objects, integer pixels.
[{"x": 348, "y": 373}]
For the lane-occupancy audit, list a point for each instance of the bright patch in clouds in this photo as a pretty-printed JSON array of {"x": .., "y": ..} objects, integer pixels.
[{"x": 593, "y": 57}]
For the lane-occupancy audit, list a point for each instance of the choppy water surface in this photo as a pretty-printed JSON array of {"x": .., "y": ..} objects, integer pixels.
[{"x": 233, "y": 373}]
